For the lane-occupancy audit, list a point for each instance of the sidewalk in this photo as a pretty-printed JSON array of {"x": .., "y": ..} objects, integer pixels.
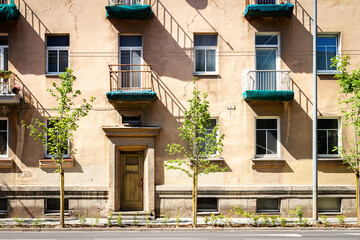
[{"x": 98, "y": 222}]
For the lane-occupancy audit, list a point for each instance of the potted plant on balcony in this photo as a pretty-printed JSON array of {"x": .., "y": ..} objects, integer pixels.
[
  {"x": 5, "y": 73},
  {"x": 15, "y": 90}
]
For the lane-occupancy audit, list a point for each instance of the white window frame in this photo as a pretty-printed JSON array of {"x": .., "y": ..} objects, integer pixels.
[
  {"x": 278, "y": 155},
  {"x": 338, "y": 51},
  {"x": 7, "y": 137},
  {"x": 54, "y": 48},
  {"x": 133, "y": 49},
  {"x": 216, "y": 48},
  {"x": 277, "y": 46},
  {"x": 48, "y": 155},
  {"x": 217, "y": 134},
  {"x": 339, "y": 137}
]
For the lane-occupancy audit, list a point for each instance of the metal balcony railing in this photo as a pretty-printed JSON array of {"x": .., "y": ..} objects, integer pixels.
[
  {"x": 251, "y": 2},
  {"x": 7, "y": 85},
  {"x": 129, "y": 2},
  {"x": 268, "y": 80},
  {"x": 130, "y": 77},
  {"x": 4, "y": 1}
]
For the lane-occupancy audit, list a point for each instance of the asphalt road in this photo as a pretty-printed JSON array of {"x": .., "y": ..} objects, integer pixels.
[{"x": 188, "y": 235}]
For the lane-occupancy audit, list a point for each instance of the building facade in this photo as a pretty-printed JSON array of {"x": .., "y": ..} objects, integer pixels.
[{"x": 253, "y": 57}]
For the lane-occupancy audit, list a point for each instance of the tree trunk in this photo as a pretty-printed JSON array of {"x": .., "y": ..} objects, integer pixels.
[
  {"x": 193, "y": 198},
  {"x": 357, "y": 197},
  {"x": 62, "y": 199},
  {"x": 196, "y": 194}
]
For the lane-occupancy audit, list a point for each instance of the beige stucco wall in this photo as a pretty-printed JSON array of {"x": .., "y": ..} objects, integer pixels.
[{"x": 167, "y": 47}]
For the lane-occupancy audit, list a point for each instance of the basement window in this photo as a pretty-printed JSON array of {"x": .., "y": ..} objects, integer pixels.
[
  {"x": 329, "y": 205},
  {"x": 53, "y": 205},
  {"x": 207, "y": 205},
  {"x": 131, "y": 120},
  {"x": 3, "y": 206},
  {"x": 267, "y": 205}
]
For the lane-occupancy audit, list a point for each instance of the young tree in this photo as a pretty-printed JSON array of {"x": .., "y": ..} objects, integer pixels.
[
  {"x": 58, "y": 133},
  {"x": 350, "y": 99},
  {"x": 200, "y": 144}
]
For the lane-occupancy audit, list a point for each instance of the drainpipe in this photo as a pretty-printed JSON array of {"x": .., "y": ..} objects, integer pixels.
[{"x": 315, "y": 169}]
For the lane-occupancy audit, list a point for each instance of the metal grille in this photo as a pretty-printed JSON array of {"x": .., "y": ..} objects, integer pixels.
[
  {"x": 128, "y": 2},
  {"x": 267, "y": 2},
  {"x": 268, "y": 80}
]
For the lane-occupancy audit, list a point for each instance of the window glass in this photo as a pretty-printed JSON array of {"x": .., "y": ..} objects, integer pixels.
[
  {"x": 200, "y": 60},
  {"x": 205, "y": 40},
  {"x": 266, "y": 137},
  {"x": 3, "y": 137},
  {"x": 266, "y": 39},
  {"x": 130, "y": 41},
  {"x": 267, "y": 205},
  {"x": 4, "y": 40},
  {"x": 207, "y": 205},
  {"x": 329, "y": 204},
  {"x": 58, "y": 41},
  {"x": 53, "y": 205},
  {"x": 210, "y": 60},
  {"x": 328, "y": 136},
  {"x": 327, "y": 47},
  {"x": 63, "y": 60},
  {"x": 3, "y": 206}
]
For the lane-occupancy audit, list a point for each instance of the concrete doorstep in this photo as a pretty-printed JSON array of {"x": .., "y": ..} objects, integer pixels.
[{"x": 44, "y": 224}]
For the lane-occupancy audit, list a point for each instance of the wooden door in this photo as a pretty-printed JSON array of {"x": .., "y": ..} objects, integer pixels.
[{"x": 132, "y": 181}]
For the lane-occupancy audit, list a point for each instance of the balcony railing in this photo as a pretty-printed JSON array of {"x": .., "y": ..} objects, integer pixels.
[
  {"x": 130, "y": 77},
  {"x": 129, "y": 2},
  {"x": 269, "y": 80},
  {"x": 7, "y": 85},
  {"x": 4, "y": 1},
  {"x": 254, "y": 2}
]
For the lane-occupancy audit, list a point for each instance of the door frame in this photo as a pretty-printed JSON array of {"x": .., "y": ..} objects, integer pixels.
[{"x": 122, "y": 175}]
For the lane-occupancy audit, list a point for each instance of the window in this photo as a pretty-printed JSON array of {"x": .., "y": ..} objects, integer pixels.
[
  {"x": 3, "y": 206},
  {"x": 4, "y": 82},
  {"x": 267, "y": 137},
  {"x": 327, "y": 48},
  {"x": 267, "y": 205},
  {"x": 267, "y": 61},
  {"x": 328, "y": 137},
  {"x": 65, "y": 150},
  {"x": 53, "y": 205},
  {"x": 57, "y": 54},
  {"x": 208, "y": 130},
  {"x": 207, "y": 205},
  {"x": 330, "y": 205},
  {"x": 130, "y": 51},
  {"x": 4, "y": 137},
  {"x": 206, "y": 60}
]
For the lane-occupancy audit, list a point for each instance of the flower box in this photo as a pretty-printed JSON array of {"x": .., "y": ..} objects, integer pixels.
[{"x": 50, "y": 163}]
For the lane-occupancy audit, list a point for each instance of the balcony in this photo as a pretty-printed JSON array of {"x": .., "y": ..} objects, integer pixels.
[
  {"x": 268, "y": 85},
  {"x": 131, "y": 85},
  {"x": 268, "y": 8},
  {"x": 8, "y": 10},
  {"x": 10, "y": 90},
  {"x": 129, "y": 9}
]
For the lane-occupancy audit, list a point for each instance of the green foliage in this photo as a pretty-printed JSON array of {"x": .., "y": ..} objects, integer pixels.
[
  {"x": 213, "y": 219},
  {"x": 324, "y": 220},
  {"x": 273, "y": 220},
  {"x": 265, "y": 220},
  {"x": 119, "y": 220},
  {"x": 206, "y": 220},
  {"x": 255, "y": 218},
  {"x": 238, "y": 211},
  {"x": 177, "y": 218},
  {"x": 165, "y": 219},
  {"x": 221, "y": 219},
  {"x": 297, "y": 213},
  {"x": 37, "y": 222},
  {"x": 248, "y": 215},
  {"x": 341, "y": 219},
  {"x": 19, "y": 221},
  {"x": 283, "y": 221},
  {"x": 109, "y": 219},
  {"x": 135, "y": 220},
  {"x": 95, "y": 221},
  {"x": 200, "y": 143},
  {"x": 147, "y": 219},
  {"x": 82, "y": 218},
  {"x": 59, "y": 132},
  {"x": 350, "y": 100}
]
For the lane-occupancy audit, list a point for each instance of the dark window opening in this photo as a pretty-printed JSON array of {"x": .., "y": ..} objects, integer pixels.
[
  {"x": 329, "y": 205},
  {"x": 3, "y": 206},
  {"x": 131, "y": 120},
  {"x": 207, "y": 205},
  {"x": 267, "y": 205},
  {"x": 53, "y": 205}
]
